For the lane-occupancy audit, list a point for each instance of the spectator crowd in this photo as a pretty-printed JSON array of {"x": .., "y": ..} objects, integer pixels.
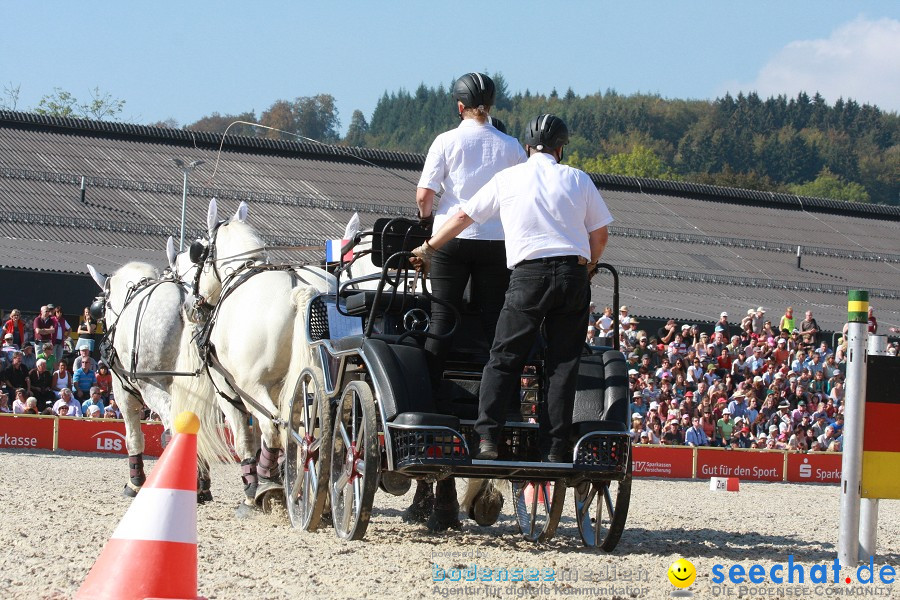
[
  {"x": 49, "y": 368},
  {"x": 744, "y": 385}
]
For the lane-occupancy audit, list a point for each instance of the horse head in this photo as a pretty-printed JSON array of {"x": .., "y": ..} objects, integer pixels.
[{"x": 229, "y": 245}]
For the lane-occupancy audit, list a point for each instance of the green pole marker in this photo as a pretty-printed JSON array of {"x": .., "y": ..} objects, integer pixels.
[{"x": 858, "y": 306}]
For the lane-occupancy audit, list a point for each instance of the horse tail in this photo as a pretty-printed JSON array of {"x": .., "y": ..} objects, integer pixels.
[
  {"x": 302, "y": 356},
  {"x": 198, "y": 395}
]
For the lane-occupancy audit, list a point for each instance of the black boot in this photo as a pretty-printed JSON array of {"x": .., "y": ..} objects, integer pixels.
[
  {"x": 422, "y": 504},
  {"x": 446, "y": 508}
]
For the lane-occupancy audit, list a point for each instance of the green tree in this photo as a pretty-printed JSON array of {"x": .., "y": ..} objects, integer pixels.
[
  {"x": 10, "y": 99},
  {"x": 61, "y": 103},
  {"x": 639, "y": 162},
  {"x": 359, "y": 128},
  {"x": 216, "y": 123},
  {"x": 829, "y": 185}
]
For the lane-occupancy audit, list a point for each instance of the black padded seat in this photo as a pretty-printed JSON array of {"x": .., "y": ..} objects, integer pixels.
[
  {"x": 422, "y": 419},
  {"x": 351, "y": 342},
  {"x": 360, "y": 303},
  {"x": 585, "y": 427}
]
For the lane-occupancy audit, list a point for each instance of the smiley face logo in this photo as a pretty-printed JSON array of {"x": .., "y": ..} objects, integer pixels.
[{"x": 682, "y": 573}]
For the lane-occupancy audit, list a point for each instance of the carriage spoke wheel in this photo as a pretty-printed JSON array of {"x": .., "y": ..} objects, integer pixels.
[
  {"x": 355, "y": 460},
  {"x": 308, "y": 453},
  {"x": 601, "y": 509},
  {"x": 538, "y": 506}
]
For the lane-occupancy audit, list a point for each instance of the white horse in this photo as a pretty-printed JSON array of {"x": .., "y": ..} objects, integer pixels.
[
  {"x": 150, "y": 342},
  {"x": 202, "y": 390},
  {"x": 258, "y": 330}
]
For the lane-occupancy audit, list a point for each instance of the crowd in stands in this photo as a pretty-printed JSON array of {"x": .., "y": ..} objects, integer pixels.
[
  {"x": 49, "y": 368},
  {"x": 748, "y": 385}
]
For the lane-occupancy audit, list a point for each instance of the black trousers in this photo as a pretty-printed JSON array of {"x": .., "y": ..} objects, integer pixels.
[
  {"x": 484, "y": 261},
  {"x": 555, "y": 291}
]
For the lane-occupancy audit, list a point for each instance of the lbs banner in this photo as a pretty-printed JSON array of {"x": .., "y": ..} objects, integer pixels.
[{"x": 108, "y": 436}]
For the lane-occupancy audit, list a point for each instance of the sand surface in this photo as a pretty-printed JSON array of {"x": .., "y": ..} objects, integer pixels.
[{"x": 59, "y": 509}]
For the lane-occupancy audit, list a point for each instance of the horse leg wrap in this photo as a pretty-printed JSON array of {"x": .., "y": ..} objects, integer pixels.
[
  {"x": 248, "y": 476},
  {"x": 267, "y": 467},
  {"x": 204, "y": 483},
  {"x": 136, "y": 477}
]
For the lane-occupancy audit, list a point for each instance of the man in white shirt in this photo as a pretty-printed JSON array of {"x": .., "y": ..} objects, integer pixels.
[
  {"x": 459, "y": 162},
  {"x": 556, "y": 225}
]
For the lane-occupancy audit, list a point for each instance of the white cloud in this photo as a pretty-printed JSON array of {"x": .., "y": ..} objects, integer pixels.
[{"x": 860, "y": 60}]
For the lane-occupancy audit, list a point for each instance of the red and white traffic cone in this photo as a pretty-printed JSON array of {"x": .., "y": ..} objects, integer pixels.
[{"x": 154, "y": 546}]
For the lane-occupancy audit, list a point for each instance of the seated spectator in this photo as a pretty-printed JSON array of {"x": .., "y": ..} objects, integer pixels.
[
  {"x": 741, "y": 437},
  {"x": 28, "y": 357},
  {"x": 67, "y": 406},
  {"x": 41, "y": 383},
  {"x": 93, "y": 400},
  {"x": 84, "y": 378},
  {"x": 695, "y": 435},
  {"x": 48, "y": 355},
  {"x": 61, "y": 377},
  {"x": 15, "y": 375},
  {"x": 656, "y": 432},
  {"x": 637, "y": 427},
  {"x": 111, "y": 404},
  {"x": 18, "y": 405},
  {"x": 672, "y": 435},
  {"x": 109, "y": 413},
  {"x": 738, "y": 405},
  {"x": 9, "y": 347},
  {"x": 104, "y": 380},
  {"x": 31, "y": 406},
  {"x": 83, "y": 352},
  {"x": 724, "y": 427},
  {"x": 93, "y": 412},
  {"x": 4, "y": 404}
]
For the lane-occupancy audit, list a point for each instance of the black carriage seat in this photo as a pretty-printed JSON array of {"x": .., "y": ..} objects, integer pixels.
[
  {"x": 400, "y": 376},
  {"x": 359, "y": 302},
  {"x": 601, "y": 397}
]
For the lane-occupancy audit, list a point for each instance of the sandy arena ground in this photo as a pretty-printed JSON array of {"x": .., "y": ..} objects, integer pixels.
[{"x": 60, "y": 509}]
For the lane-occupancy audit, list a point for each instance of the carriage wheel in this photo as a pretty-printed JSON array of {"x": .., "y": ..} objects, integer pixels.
[
  {"x": 538, "y": 506},
  {"x": 308, "y": 453},
  {"x": 355, "y": 459},
  {"x": 601, "y": 509}
]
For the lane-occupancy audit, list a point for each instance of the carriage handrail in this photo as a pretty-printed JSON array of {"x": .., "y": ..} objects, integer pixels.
[{"x": 615, "y": 275}]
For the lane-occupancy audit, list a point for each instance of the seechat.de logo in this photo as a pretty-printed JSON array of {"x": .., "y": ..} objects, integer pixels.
[{"x": 682, "y": 574}]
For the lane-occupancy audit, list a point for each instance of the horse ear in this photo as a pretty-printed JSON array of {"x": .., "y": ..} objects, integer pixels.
[
  {"x": 97, "y": 277},
  {"x": 212, "y": 216},
  {"x": 170, "y": 252},
  {"x": 241, "y": 215}
]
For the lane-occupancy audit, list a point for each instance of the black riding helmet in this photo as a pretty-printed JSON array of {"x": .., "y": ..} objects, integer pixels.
[
  {"x": 474, "y": 90},
  {"x": 546, "y": 132}
]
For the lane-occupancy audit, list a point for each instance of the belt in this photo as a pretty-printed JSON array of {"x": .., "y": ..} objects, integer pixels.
[{"x": 570, "y": 259}]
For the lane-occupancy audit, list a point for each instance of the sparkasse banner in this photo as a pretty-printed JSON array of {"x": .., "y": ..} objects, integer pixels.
[
  {"x": 26, "y": 432},
  {"x": 663, "y": 461},
  {"x": 753, "y": 465},
  {"x": 814, "y": 468}
]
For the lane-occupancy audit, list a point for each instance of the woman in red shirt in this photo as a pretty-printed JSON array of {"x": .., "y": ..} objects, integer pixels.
[{"x": 104, "y": 381}]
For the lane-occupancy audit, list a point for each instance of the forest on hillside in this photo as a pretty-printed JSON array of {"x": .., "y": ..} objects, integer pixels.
[{"x": 803, "y": 145}]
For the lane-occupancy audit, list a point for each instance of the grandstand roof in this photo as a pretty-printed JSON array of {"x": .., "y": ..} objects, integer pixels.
[{"x": 684, "y": 250}]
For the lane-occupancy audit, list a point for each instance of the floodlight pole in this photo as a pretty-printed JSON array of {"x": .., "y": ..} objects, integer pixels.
[{"x": 185, "y": 170}]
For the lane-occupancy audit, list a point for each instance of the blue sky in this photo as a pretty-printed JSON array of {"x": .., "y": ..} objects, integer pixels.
[{"x": 185, "y": 60}]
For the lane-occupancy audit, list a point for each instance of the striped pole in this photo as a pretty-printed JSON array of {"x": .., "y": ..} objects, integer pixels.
[
  {"x": 868, "y": 507},
  {"x": 854, "y": 418},
  {"x": 154, "y": 547}
]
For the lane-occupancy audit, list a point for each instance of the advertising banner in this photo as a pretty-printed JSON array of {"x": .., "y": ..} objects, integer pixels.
[
  {"x": 814, "y": 468},
  {"x": 753, "y": 465},
  {"x": 104, "y": 435},
  {"x": 663, "y": 461},
  {"x": 26, "y": 432}
]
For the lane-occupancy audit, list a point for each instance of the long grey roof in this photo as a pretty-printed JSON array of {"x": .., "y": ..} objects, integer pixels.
[{"x": 684, "y": 250}]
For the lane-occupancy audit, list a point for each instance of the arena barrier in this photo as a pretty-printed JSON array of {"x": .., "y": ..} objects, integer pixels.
[
  {"x": 685, "y": 462},
  {"x": 106, "y": 436}
]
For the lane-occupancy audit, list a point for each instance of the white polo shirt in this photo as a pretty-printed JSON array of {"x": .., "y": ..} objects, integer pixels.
[
  {"x": 460, "y": 162},
  {"x": 547, "y": 209}
]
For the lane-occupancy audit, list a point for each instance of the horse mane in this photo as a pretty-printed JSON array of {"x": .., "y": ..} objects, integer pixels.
[{"x": 236, "y": 237}]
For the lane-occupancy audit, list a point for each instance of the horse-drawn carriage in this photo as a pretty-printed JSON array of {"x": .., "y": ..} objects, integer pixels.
[
  {"x": 333, "y": 370},
  {"x": 365, "y": 416}
]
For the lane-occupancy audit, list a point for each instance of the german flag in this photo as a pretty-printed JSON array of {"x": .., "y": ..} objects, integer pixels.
[{"x": 881, "y": 444}]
